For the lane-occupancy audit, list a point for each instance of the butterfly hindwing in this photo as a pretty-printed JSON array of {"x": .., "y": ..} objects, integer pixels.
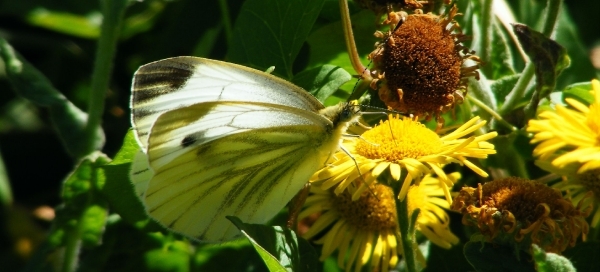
[{"x": 243, "y": 159}]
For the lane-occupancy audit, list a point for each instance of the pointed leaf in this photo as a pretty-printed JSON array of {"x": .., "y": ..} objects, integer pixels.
[
  {"x": 280, "y": 248},
  {"x": 118, "y": 190},
  {"x": 549, "y": 57},
  {"x": 271, "y": 33}
]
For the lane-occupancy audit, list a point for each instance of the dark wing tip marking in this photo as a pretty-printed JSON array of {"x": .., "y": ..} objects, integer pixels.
[{"x": 159, "y": 78}]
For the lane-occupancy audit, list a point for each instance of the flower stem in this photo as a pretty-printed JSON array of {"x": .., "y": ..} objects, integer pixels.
[
  {"x": 513, "y": 98},
  {"x": 485, "y": 51},
  {"x": 113, "y": 12},
  {"x": 360, "y": 69},
  {"x": 407, "y": 231}
]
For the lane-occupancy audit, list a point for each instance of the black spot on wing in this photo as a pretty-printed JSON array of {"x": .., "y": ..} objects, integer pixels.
[
  {"x": 159, "y": 78},
  {"x": 188, "y": 140}
]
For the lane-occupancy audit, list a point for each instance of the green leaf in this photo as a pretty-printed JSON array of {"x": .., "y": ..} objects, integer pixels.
[
  {"x": 570, "y": 36},
  {"x": 280, "y": 248},
  {"x": 502, "y": 86},
  {"x": 67, "y": 23},
  {"x": 211, "y": 257},
  {"x": 580, "y": 91},
  {"x": 502, "y": 57},
  {"x": 491, "y": 258},
  {"x": 118, "y": 190},
  {"x": 551, "y": 262},
  {"x": 84, "y": 213},
  {"x": 271, "y": 33},
  {"x": 161, "y": 260},
  {"x": 143, "y": 21},
  {"x": 322, "y": 81},
  {"x": 549, "y": 58},
  {"x": 328, "y": 47},
  {"x": 69, "y": 121}
]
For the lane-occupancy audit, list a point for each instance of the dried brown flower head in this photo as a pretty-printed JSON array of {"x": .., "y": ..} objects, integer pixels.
[
  {"x": 418, "y": 67},
  {"x": 522, "y": 212}
]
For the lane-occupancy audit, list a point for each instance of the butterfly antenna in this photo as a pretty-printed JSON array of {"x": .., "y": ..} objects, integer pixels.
[{"x": 359, "y": 172}]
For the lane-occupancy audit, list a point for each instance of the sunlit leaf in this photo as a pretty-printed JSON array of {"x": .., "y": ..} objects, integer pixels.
[
  {"x": 551, "y": 262},
  {"x": 119, "y": 191},
  {"x": 322, "y": 81},
  {"x": 280, "y": 248},
  {"x": 579, "y": 91},
  {"x": 67, "y": 23},
  {"x": 328, "y": 46}
]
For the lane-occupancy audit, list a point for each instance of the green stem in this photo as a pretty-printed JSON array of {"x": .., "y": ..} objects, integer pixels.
[
  {"x": 551, "y": 17},
  {"x": 487, "y": 30},
  {"x": 6, "y": 197},
  {"x": 360, "y": 69},
  {"x": 113, "y": 12},
  {"x": 72, "y": 247},
  {"x": 226, "y": 20},
  {"x": 493, "y": 113},
  {"x": 406, "y": 224}
]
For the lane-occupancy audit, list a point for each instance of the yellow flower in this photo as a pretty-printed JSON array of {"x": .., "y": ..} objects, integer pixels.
[
  {"x": 403, "y": 147},
  {"x": 582, "y": 188},
  {"x": 365, "y": 231},
  {"x": 570, "y": 135},
  {"x": 521, "y": 212},
  {"x": 433, "y": 221}
]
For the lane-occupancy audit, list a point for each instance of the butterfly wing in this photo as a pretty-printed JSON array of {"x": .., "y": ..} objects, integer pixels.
[
  {"x": 178, "y": 82},
  {"x": 244, "y": 159}
]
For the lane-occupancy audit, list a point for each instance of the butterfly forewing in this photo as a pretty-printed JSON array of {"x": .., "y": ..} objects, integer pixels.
[
  {"x": 178, "y": 82},
  {"x": 230, "y": 158}
]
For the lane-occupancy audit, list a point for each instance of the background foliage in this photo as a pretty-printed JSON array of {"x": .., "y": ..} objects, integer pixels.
[{"x": 43, "y": 132}]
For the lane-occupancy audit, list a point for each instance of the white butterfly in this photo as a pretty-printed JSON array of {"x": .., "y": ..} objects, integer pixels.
[{"x": 220, "y": 139}]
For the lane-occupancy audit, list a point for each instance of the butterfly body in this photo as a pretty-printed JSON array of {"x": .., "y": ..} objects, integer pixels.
[{"x": 220, "y": 139}]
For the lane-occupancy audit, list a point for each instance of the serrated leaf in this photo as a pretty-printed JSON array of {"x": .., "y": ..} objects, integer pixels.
[
  {"x": 280, "y": 248},
  {"x": 322, "y": 81},
  {"x": 271, "y": 33},
  {"x": 551, "y": 262},
  {"x": 491, "y": 258},
  {"x": 68, "y": 120}
]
